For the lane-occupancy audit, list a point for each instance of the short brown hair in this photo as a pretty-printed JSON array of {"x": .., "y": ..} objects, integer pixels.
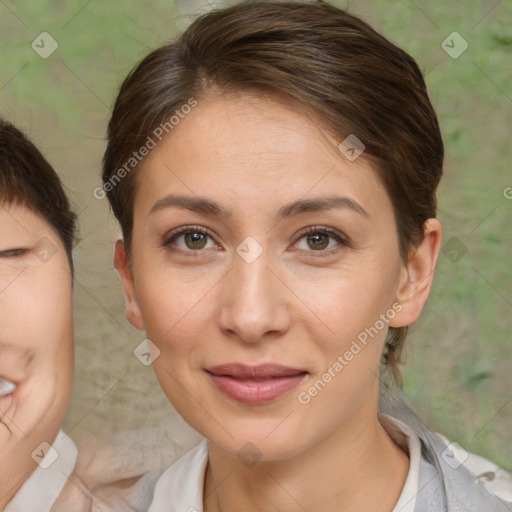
[
  {"x": 28, "y": 179},
  {"x": 351, "y": 79}
]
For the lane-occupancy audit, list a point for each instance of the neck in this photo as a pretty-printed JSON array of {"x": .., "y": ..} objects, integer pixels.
[
  {"x": 357, "y": 466},
  {"x": 14, "y": 474}
]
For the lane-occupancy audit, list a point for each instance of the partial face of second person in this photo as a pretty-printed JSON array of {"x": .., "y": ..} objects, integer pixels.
[
  {"x": 299, "y": 304},
  {"x": 36, "y": 341}
]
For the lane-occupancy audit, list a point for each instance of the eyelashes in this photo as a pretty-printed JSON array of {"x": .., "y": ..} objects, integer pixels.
[
  {"x": 185, "y": 231},
  {"x": 196, "y": 237},
  {"x": 13, "y": 253},
  {"x": 325, "y": 232}
]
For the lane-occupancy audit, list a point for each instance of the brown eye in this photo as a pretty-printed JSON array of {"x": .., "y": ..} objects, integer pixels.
[
  {"x": 188, "y": 239},
  {"x": 321, "y": 240},
  {"x": 318, "y": 241},
  {"x": 195, "y": 240}
]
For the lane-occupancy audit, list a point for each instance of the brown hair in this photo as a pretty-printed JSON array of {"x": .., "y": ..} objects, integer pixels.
[
  {"x": 351, "y": 79},
  {"x": 27, "y": 178}
]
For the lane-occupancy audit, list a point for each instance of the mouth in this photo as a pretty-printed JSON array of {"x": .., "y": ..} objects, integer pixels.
[
  {"x": 7, "y": 398},
  {"x": 15, "y": 369},
  {"x": 7, "y": 387},
  {"x": 255, "y": 384}
]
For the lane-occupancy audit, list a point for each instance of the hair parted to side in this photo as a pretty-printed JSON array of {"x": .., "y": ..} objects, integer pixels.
[
  {"x": 26, "y": 178},
  {"x": 323, "y": 60}
]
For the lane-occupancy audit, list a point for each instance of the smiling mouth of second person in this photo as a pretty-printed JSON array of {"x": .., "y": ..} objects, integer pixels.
[
  {"x": 7, "y": 398},
  {"x": 7, "y": 387},
  {"x": 15, "y": 368}
]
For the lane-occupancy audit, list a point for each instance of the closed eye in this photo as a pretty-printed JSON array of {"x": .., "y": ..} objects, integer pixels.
[{"x": 13, "y": 253}]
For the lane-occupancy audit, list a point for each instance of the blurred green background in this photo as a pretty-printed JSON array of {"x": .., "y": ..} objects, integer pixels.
[{"x": 459, "y": 356}]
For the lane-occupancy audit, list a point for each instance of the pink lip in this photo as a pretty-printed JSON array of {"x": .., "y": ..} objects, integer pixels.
[{"x": 255, "y": 384}]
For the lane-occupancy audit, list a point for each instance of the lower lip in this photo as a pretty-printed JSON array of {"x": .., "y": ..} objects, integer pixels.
[
  {"x": 7, "y": 401},
  {"x": 256, "y": 391}
]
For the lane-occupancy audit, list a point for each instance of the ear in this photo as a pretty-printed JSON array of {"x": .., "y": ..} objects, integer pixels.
[
  {"x": 418, "y": 274},
  {"x": 133, "y": 313}
]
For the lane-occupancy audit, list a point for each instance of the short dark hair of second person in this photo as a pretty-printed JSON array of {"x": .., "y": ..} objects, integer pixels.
[{"x": 28, "y": 179}]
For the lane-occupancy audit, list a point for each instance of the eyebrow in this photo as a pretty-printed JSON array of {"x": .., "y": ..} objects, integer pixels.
[{"x": 209, "y": 207}]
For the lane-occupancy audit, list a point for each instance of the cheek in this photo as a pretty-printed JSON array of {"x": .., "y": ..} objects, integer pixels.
[
  {"x": 347, "y": 341},
  {"x": 175, "y": 305},
  {"x": 38, "y": 313},
  {"x": 347, "y": 302}
]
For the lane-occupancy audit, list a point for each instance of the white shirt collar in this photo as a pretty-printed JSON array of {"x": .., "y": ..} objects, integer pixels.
[
  {"x": 180, "y": 488},
  {"x": 404, "y": 436},
  {"x": 43, "y": 486}
]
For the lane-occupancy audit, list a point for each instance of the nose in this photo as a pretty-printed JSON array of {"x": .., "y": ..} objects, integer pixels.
[{"x": 255, "y": 302}]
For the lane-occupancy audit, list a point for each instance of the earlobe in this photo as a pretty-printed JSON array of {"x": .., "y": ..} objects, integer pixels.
[
  {"x": 133, "y": 313},
  {"x": 418, "y": 274}
]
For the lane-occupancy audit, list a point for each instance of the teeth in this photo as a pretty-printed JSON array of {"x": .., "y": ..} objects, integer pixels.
[{"x": 6, "y": 387}]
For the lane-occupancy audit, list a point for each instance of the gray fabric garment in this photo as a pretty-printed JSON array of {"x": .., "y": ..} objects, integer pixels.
[{"x": 442, "y": 487}]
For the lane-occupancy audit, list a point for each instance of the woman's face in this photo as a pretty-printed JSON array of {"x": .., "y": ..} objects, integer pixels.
[
  {"x": 249, "y": 316},
  {"x": 36, "y": 337}
]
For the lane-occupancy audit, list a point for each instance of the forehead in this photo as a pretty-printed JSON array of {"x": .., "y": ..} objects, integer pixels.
[
  {"x": 245, "y": 130},
  {"x": 16, "y": 217},
  {"x": 248, "y": 150}
]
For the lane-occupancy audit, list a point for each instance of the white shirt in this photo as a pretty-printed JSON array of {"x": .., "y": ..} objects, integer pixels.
[
  {"x": 43, "y": 486},
  {"x": 180, "y": 488}
]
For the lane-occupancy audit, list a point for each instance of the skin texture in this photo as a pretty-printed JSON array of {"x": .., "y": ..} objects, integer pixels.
[
  {"x": 36, "y": 341},
  {"x": 290, "y": 306}
]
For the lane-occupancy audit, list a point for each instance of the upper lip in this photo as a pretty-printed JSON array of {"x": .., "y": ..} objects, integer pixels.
[
  {"x": 262, "y": 371},
  {"x": 15, "y": 362}
]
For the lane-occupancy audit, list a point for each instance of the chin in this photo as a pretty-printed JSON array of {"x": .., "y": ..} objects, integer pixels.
[{"x": 264, "y": 440}]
